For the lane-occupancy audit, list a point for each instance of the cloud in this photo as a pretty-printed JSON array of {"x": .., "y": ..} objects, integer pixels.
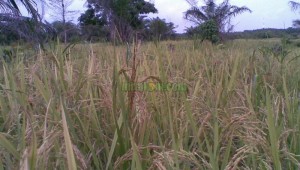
[
  {"x": 266, "y": 13},
  {"x": 172, "y": 11}
]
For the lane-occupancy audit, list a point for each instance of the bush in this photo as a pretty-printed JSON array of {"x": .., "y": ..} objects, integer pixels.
[
  {"x": 286, "y": 41},
  {"x": 209, "y": 31},
  {"x": 297, "y": 44}
]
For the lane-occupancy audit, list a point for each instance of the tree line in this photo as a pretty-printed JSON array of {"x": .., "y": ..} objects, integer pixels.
[
  {"x": 104, "y": 20},
  {"x": 118, "y": 20}
]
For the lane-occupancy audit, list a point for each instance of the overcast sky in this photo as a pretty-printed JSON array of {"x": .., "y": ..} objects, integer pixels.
[{"x": 266, "y": 13}]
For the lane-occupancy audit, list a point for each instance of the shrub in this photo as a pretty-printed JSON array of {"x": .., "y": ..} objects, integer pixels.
[
  {"x": 297, "y": 44},
  {"x": 209, "y": 31},
  {"x": 286, "y": 41}
]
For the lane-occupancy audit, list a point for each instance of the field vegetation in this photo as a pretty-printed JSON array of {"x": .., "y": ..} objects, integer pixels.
[
  {"x": 65, "y": 105},
  {"x": 65, "y": 109}
]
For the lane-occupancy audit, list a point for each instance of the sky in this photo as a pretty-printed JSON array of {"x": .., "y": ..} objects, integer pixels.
[{"x": 265, "y": 13}]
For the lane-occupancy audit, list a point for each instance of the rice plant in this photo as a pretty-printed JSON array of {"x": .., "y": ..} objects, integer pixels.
[{"x": 65, "y": 108}]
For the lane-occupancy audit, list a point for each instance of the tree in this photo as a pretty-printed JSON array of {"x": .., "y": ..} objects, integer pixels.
[
  {"x": 26, "y": 28},
  {"x": 191, "y": 31},
  {"x": 123, "y": 16},
  {"x": 66, "y": 31},
  {"x": 93, "y": 25},
  {"x": 295, "y": 6},
  {"x": 90, "y": 17},
  {"x": 296, "y": 23},
  {"x": 61, "y": 12},
  {"x": 12, "y": 7},
  {"x": 32, "y": 28},
  {"x": 158, "y": 29},
  {"x": 220, "y": 14},
  {"x": 209, "y": 31}
]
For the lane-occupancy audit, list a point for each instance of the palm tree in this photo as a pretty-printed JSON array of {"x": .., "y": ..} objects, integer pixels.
[
  {"x": 12, "y": 6},
  {"x": 33, "y": 29},
  {"x": 295, "y": 6},
  {"x": 221, "y": 14},
  {"x": 296, "y": 23}
]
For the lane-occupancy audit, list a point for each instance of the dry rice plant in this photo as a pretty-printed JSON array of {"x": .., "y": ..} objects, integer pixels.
[{"x": 66, "y": 109}]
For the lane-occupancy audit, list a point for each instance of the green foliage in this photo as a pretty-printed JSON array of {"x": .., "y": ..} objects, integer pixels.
[
  {"x": 286, "y": 41},
  {"x": 206, "y": 31},
  {"x": 93, "y": 25},
  {"x": 192, "y": 31},
  {"x": 130, "y": 11},
  {"x": 19, "y": 28},
  {"x": 8, "y": 36},
  {"x": 8, "y": 55},
  {"x": 124, "y": 16},
  {"x": 158, "y": 29},
  {"x": 297, "y": 44},
  {"x": 72, "y": 31},
  {"x": 289, "y": 33},
  {"x": 280, "y": 53},
  {"x": 209, "y": 31},
  {"x": 221, "y": 14},
  {"x": 90, "y": 17}
]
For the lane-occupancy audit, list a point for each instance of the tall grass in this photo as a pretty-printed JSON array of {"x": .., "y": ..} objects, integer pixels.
[{"x": 65, "y": 109}]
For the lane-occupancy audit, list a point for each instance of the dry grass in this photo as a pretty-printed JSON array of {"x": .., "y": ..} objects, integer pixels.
[{"x": 66, "y": 109}]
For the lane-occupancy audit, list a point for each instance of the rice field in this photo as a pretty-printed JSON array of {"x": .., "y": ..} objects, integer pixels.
[{"x": 237, "y": 107}]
